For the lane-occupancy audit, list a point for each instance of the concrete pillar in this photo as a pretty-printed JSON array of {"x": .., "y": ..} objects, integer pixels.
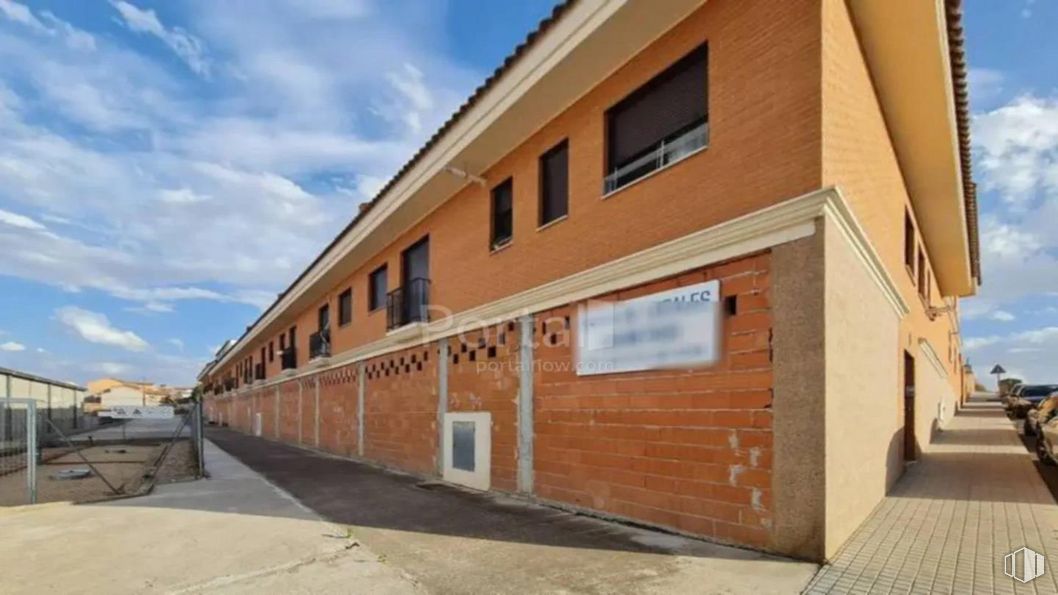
[
  {"x": 299, "y": 411},
  {"x": 525, "y": 406},
  {"x": 360, "y": 388},
  {"x": 316, "y": 411},
  {"x": 442, "y": 401}
]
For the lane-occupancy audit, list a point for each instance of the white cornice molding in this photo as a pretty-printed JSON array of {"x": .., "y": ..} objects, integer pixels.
[
  {"x": 931, "y": 355},
  {"x": 838, "y": 211},
  {"x": 785, "y": 222}
]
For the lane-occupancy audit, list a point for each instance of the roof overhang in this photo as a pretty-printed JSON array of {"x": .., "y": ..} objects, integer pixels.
[
  {"x": 906, "y": 45},
  {"x": 560, "y": 63}
]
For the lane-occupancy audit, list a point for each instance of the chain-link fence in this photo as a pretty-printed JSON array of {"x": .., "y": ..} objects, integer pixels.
[{"x": 19, "y": 448}]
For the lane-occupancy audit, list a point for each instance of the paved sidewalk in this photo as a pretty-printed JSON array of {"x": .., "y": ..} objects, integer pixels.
[
  {"x": 974, "y": 497},
  {"x": 234, "y": 533},
  {"x": 455, "y": 541}
]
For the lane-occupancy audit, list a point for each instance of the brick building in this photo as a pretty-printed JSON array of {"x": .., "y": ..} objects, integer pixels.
[{"x": 802, "y": 163}]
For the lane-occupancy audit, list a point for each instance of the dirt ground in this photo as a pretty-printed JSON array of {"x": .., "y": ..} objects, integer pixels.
[{"x": 123, "y": 465}]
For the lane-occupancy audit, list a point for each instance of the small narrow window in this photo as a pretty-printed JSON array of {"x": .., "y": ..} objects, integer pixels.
[
  {"x": 909, "y": 242},
  {"x": 502, "y": 213},
  {"x": 324, "y": 318},
  {"x": 282, "y": 342},
  {"x": 554, "y": 183},
  {"x": 921, "y": 273},
  {"x": 377, "y": 289},
  {"x": 345, "y": 307},
  {"x": 271, "y": 351}
]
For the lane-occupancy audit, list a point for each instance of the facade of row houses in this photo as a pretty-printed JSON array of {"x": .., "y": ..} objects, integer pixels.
[{"x": 804, "y": 165}]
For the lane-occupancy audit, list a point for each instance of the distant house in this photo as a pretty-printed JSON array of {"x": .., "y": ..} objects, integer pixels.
[{"x": 114, "y": 391}]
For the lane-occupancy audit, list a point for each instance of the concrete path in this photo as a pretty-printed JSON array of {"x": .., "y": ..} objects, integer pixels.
[
  {"x": 234, "y": 533},
  {"x": 454, "y": 541},
  {"x": 974, "y": 497}
]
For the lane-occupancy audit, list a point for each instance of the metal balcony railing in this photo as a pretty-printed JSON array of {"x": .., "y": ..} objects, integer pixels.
[
  {"x": 289, "y": 358},
  {"x": 408, "y": 304},
  {"x": 666, "y": 153},
  {"x": 320, "y": 344}
]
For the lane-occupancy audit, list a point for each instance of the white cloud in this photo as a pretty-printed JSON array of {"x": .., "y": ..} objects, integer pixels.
[
  {"x": 1003, "y": 316},
  {"x": 111, "y": 368},
  {"x": 19, "y": 13},
  {"x": 1027, "y": 354},
  {"x": 176, "y": 343},
  {"x": 21, "y": 221},
  {"x": 74, "y": 37},
  {"x": 188, "y": 47},
  {"x": 1017, "y": 145},
  {"x": 122, "y": 172},
  {"x": 12, "y": 346},
  {"x": 96, "y": 328}
]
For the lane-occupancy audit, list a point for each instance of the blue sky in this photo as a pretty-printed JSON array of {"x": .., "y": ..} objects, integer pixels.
[{"x": 167, "y": 167}]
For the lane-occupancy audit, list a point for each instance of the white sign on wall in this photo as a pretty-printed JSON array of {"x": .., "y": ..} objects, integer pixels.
[
  {"x": 137, "y": 412},
  {"x": 678, "y": 328}
]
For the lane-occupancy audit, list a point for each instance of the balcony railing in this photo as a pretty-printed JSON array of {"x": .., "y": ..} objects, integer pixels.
[
  {"x": 289, "y": 358},
  {"x": 320, "y": 344},
  {"x": 408, "y": 304},
  {"x": 666, "y": 153},
  {"x": 259, "y": 371}
]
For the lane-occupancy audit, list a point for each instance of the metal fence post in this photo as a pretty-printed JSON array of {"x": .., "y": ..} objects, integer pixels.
[{"x": 31, "y": 450}]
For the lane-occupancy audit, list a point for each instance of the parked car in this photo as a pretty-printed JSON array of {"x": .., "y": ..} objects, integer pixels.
[
  {"x": 1009, "y": 398},
  {"x": 1046, "y": 440},
  {"x": 1041, "y": 414},
  {"x": 1030, "y": 396}
]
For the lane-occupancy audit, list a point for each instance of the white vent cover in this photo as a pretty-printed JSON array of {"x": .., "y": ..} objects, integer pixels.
[{"x": 467, "y": 449}]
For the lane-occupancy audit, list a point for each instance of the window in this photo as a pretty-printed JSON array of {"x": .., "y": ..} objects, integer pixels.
[
  {"x": 502, "y": 213},
  {"x": 271, "y": 351},
  {"x": 376, "y": 289},
  {"x": 909, "y": 243},
  {"x": 282, "y": 342},
  {"x": 921, "y": 273},
  {"x": 660, "y": 123},
  {"x": 554, "y": 183},
  {"x": 345, "y": 307},
  {"x": 323, "y": 317}
]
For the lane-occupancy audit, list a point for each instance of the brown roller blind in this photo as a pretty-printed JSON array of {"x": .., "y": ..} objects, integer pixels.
[{"x": 668, "y": 104}]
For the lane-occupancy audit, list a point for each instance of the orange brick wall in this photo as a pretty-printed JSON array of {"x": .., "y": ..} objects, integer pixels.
[
  {"x": 400, "y": 410},
  {"x": 338, "y": 410},
  {"x": 483, "y": 375},
  {"x": 765, "y": 147},
  {"x": 689, "y": 449},
  {"x": 288, "y": 412}
]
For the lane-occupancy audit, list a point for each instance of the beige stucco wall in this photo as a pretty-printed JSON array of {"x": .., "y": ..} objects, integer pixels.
[
  {"x": 859, "y": 158},
  {"x": 935, "y": 400},
  {"x": 126, "y": 395},
  {"x": 863, "y": 430}
]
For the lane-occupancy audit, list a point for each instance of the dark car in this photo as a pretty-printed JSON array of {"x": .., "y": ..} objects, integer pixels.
[{"x": 1031, "y": 396}]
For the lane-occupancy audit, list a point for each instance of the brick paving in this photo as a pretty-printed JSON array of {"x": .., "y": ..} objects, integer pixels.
[{"x": 974, "y": 496}]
